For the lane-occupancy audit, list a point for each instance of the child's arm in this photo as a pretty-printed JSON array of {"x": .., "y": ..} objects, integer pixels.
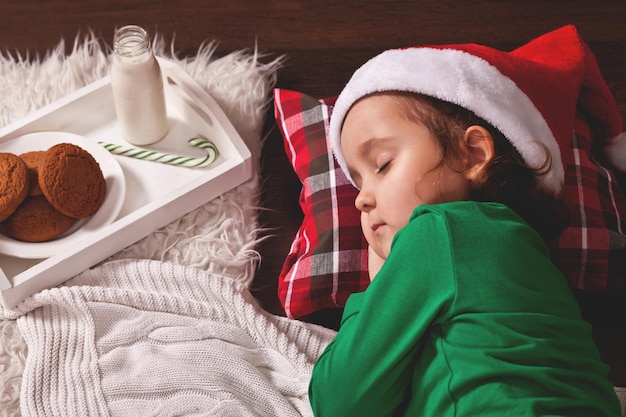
[{"x": 367, "y": 369}]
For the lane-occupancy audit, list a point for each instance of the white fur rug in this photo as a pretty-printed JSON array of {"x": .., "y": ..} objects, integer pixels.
[{"x": 219, "y": 237}]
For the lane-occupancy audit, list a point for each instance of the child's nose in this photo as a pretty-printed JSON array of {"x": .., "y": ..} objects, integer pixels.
[{"x": 364, "y": 201}]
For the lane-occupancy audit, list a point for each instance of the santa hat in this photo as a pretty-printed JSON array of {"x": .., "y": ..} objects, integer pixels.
[{"x": 530, "y": 94}]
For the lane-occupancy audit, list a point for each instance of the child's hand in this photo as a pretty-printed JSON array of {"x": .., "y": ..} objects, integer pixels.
[{"x": 374, "y": 262}]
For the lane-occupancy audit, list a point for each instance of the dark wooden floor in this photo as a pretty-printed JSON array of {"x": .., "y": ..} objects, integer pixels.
[{"x": 324, "y": 42}]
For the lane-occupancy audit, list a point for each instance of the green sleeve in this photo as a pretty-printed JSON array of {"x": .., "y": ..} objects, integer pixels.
[{"x": 367, "y": 368}]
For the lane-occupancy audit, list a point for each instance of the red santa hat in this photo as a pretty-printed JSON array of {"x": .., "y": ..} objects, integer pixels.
[{"x": 530, "y": 94}]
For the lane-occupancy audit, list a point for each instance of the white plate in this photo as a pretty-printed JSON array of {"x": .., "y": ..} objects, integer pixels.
[{"x": 113, "y": 200}]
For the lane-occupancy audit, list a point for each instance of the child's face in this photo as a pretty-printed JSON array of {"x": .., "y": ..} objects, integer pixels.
[{"x": 397, "y": 165}]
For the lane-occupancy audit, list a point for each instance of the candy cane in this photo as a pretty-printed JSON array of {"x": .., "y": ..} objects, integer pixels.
[{"x": 165, "y": 158}]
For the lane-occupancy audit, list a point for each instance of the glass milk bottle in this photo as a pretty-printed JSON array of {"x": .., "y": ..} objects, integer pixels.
[{"x": 137, "y": 87}]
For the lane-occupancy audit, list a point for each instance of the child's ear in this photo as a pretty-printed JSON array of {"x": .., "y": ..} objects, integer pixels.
[{"x": 480, "y": 150}]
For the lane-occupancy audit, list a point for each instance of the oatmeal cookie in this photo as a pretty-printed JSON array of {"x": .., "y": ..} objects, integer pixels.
[
  {"x": 71, "y": 179},
  {"x": 36, "y": 220},
  {"x": 33, "y": 160},
  {"x": 14, "y": 183}
]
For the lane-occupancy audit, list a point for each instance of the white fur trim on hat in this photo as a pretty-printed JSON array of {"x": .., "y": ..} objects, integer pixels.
[{"x": 463, "y": 79}]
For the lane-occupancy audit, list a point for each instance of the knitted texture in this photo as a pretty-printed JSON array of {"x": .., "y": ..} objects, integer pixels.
[{"x": 141, "y": 337}]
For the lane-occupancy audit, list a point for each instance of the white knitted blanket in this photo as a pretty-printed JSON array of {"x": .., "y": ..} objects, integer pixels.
[
  {"x": 151, "y": 338},
  {"x": 174, "y": 332}
]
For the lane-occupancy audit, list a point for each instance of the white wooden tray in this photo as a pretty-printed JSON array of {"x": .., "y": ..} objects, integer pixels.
[{"x": 155, "y": 194}]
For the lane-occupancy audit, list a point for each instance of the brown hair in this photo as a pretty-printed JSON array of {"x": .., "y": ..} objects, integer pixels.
[{"x": 506, "y": 179}]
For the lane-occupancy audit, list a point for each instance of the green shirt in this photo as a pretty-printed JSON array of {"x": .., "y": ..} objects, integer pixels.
[{"x": 467, "y": 317}]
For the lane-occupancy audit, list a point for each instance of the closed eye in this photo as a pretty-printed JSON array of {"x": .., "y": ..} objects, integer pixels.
[{"x": 383, "y": 167}]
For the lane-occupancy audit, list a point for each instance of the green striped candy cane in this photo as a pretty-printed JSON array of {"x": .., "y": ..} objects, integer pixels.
[{"x": 166, "y": 158}]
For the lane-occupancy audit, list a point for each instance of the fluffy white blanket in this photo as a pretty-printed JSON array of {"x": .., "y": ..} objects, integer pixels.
[{"x": 174, "y": 331}]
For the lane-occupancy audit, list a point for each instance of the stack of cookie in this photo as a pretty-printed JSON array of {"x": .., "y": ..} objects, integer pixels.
[{"x": 43, "y": 193}]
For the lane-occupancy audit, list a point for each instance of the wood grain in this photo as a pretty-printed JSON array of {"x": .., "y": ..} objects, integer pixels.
[{"x": 323, "y": 43}]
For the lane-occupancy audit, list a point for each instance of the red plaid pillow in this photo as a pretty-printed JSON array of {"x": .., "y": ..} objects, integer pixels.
[
  {"x": 328, "y": 257},
  {"x": 591, "y": 251}
]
